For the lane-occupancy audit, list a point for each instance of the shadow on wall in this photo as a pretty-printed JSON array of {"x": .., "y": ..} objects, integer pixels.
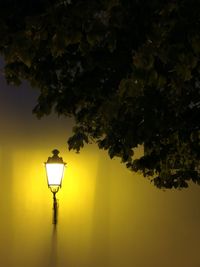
[
  {"x": 6, "y": 204},
  {"x": 49, "y": 251},
  {"x": 100, "y": 250},
  {"x": 53, "y": 250}
]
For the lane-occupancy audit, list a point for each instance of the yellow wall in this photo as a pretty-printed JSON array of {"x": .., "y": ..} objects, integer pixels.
[{"x": 108, "y": 217}]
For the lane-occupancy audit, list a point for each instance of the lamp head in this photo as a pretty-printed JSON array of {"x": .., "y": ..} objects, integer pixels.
[{"x": 55, "y": 170}]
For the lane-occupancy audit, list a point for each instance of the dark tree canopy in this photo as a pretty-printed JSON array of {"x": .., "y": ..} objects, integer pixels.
[{"x": 128, "y": 71}]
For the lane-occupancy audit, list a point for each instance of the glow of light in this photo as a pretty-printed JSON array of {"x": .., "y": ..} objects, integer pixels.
[{"x": 55, "y": 173}]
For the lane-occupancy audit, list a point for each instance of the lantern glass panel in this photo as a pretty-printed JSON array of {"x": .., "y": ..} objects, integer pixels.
[{"x": 55, "y": 173}]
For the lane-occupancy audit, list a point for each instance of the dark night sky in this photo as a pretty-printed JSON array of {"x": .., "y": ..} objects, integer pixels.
[{"x": 16, "y": 105}]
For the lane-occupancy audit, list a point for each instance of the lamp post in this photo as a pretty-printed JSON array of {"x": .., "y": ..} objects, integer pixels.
[{"x": 55, "y": 170}]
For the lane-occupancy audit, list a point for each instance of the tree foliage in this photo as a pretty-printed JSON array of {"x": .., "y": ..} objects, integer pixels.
[{"x": 128, "y": 71}]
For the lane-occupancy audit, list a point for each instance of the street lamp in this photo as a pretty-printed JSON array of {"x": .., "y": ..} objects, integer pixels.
[{"x": 55, "y": 170}]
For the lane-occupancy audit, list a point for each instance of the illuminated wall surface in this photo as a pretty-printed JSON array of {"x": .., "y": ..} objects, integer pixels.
[{"x": 108, "y": 217}]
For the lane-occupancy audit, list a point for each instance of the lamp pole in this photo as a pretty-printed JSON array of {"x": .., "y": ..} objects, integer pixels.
[{"x": 55, "y": 209}]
